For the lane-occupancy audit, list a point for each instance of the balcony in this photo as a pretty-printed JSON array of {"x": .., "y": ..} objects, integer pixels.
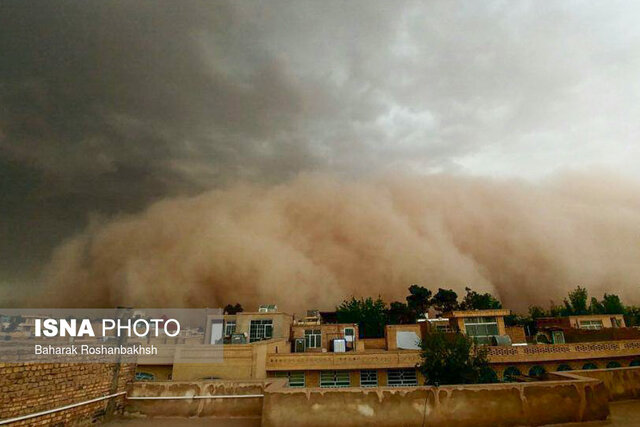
[
  {"x": 574, "y": 351},
  {"x": 348, "y": 360}
]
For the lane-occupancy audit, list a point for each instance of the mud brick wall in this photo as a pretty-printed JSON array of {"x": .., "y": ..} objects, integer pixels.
[{"x": 29, "y": 388}]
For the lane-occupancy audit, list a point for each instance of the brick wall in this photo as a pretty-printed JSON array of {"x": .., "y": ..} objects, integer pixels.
[
  {"x": 516, "y": 333},
  {"x": 29, "y": 388}
]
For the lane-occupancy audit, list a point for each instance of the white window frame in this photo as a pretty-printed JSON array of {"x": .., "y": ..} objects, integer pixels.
[
  {"x": 313, "y": 338},
  {"x": 593, "y": 325},
  {"x": 485, "y": 321},
  {"x": 229, "y": 328},
  {"x": 260, "y": 329}
]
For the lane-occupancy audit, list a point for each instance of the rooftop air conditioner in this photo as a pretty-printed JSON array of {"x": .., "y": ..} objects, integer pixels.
[{"x": 268, "y": 308}]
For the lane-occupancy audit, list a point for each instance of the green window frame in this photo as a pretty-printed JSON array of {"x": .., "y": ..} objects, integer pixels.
[{"x": 335, "y": 379}]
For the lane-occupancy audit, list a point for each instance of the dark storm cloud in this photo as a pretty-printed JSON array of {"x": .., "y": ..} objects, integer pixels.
[{"x": 107, "y": 106}]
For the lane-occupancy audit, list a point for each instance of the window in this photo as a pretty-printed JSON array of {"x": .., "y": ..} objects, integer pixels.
[
  {"x": 349, "y": 334},
  {"x": 443, "y": 327},
  {"x": 369, "y": 378},
  {"x": 296, "y": 378},
  {"x": 589, "y": 366},
  {"x": 557, "y": 337},
  {"x": 402, "y": 377},
  {"x": 591, "y": 324},
  {"x": 334, "y": 379},
  {"x": 536, "y": 371},
  {"x": 510, "y": 374},
  {"x": 616, "y": 323},
  {"x": 482, "y": 329},
  {"x": 313, "y": 338},
  {"x": 229, "y": 328},
  {"x": 260, "y": 330}
]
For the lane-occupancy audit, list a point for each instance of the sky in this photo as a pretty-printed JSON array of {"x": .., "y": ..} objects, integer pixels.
[{"x": 107, "y": 107}]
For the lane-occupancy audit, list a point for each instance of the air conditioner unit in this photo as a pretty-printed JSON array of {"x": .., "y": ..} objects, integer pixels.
[
  {"x": 268, "y": 308},
  {"x": 339, "y": 346}
]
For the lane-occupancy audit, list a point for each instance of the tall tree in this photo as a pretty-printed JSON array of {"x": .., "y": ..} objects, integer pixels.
[
  {"x": 454, "y": 359},
  {"x": 445, "y": 300},
  {"x": 369, "y": 314},
  {"x": 476, "y": 301},
  {"x": 535, "y": 311},
  {"x": 612, "y": 304},
  {"x": 399, "y": 313},
  {"x": 419, "y": 300},
  {"x": 577, "y": 302}
]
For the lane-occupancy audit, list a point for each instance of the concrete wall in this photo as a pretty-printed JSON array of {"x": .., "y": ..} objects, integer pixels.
[
  {"x": 621, "y": 383},
  {"x": 516, "y": 333},
  {"x": 30, "y": 388},
  {"x": 239, "y": 361},
  {"x": 226, "y": 407},
  {"x": 476, "y": 405},
  {"x": 391, "y": 333},
  {"x": 604, "y": 318}
]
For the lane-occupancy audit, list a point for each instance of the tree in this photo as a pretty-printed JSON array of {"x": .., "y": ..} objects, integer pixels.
[
  {"x": 399, "y": 313},
  {"x": 419, "y": 300},
  {"x": 233, "y": 309},
  {"x": 632, "y": 316},
  {"x": 475, "y": 301},
  {"x": 612, "y": 304},
  {"x": 596, "y": 307},
  {"x": 445, "y": 300},
  {"x": 454, "y": 359},
  {"x": 577, "y": 302},
  {"x": 369, "y": 314},
  {"x": 535, "y": 312}
]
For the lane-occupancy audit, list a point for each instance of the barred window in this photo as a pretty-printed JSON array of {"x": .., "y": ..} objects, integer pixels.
[
  {"x": 260, "y": 330},
  {"x": 369, "y": 378},
  {"x": 296, "y": 378},
  {"x": 334, "y": 379},
  {"x": 591, "y": 324},
  {"x": 402, "y": 377}
]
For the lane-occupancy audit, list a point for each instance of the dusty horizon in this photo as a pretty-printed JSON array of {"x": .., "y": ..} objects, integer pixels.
[{"x": 315, "y": 240}]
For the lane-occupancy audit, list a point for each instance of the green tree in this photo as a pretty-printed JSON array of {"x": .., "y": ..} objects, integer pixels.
[
  {"x": 476, "y": 301},
  {"x": 632, "y": 316},
  {"x": 233, "y": 309},
  {"x": 399, "y": 313},
  {"x": 612, "y": 304},
  {"x": 369, "y": 314},
  {"x": 445, "y": 300},
  {"x": 419, "y": 300},
  {"x": 535, "y": 312},
  {"x": 577, "y": 302},
  {"x": 454, "y": 359},
  {"x": 596, "y": 307}
]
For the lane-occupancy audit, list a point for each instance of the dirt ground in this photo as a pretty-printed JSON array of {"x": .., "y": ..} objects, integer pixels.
[
  {"x": 184, "y": 422},
  {"x": 623, "y": 414}
]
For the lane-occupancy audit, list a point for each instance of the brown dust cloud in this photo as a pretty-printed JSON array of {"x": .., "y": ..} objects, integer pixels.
[{"x": 314, "y": 240}]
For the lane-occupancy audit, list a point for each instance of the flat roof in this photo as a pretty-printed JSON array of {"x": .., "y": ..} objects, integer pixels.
[{"x": 474, "y": 313}]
